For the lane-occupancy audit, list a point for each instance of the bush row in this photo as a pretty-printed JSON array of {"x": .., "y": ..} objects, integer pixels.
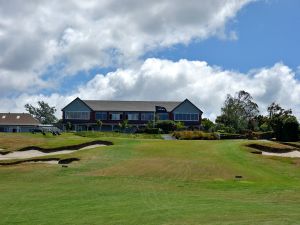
[
  {"x": 200, "y": 135},
  {"x": 232, "y": 136},
  {"x": 195, "y": 135}
]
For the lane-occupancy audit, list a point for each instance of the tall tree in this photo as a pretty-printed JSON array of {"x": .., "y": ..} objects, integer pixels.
[
  {"x": 283, "y": 123},
  {"x": 238, "y": 111},
  {"x": 44, "y": 113}
]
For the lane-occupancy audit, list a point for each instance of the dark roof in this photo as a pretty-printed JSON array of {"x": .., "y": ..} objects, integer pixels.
[
  {"x": 146, "y": 106},
  {"x": 17, "y": 119}
]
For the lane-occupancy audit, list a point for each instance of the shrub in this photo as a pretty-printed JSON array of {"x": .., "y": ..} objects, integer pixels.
[
  {"x": 232, "y": 136},
  {"x": 224, "y": 129},
  {"x": 166, "y": 126},
  {"x": 265, "y": 127},
  {"x": 195, "y": 135},
  {"x": 179, "y": 125},
  {"x": 152, "y": 131}
]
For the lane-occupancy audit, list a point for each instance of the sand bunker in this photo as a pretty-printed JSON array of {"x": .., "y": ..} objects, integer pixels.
[
  {"x": 54, "y": 162},
  {"x": 292, "y": 154},
  {"x": 35, "y": 153}
]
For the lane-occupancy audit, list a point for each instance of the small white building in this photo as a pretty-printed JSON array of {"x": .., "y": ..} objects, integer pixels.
[{"x": 17, "y": 122}]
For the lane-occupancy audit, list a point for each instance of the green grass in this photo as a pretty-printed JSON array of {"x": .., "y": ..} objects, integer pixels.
[{"x": 151, "y": 181}]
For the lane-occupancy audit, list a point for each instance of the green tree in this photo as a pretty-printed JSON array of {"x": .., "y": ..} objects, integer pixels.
[
  {"x": 283, "y": 123},
  {"x": 290, "y": 129},
  {"x": 44, "y": 113},
  {"x": 99, "y": 124},
  {"x": 238, "y": 111},
  {"x": 207, "y": 124}
]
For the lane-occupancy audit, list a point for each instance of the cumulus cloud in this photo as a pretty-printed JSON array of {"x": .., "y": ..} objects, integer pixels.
[
  {"x": 205, "y": 85},
  {"x": 35, "y": 35}
]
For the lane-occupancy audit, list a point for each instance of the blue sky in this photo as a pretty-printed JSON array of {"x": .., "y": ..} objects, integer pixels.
[
  {"x": 149, "y": 50},
  {"x": 268, "y": 32}
]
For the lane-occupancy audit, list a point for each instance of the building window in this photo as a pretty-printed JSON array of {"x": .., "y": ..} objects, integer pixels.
[
  {"x": 101, "y": 116},
  {"x": 147, "y": 116},
  {"x": 162, "y": 116},
  {"x": 186, "y": 116},
  {"x": 132, "y": 116},
  {"x": 77, "y": 115},
  {"x": 116, "y": 116}
]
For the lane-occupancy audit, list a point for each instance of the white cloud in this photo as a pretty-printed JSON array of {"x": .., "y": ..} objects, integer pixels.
[
  {"x": 205, "y": 85},
  {"x": 84, "y": 34}
]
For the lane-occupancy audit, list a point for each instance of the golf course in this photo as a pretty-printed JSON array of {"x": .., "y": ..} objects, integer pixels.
[{"x": 145, "y": 180}]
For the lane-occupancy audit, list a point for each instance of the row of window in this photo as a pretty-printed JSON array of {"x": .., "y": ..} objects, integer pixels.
[
  {"x": 128, "y": 116},
  {"x": 132, "y": 116},
  {"x": 186, "y": 116},
  {"x": 77, "y": 115}
]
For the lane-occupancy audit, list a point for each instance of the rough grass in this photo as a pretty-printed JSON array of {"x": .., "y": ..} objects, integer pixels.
[
  {"x": 11, "y": 141},
  {"x": 154, "y": 182},
  {"x": 97, "y": 134}
]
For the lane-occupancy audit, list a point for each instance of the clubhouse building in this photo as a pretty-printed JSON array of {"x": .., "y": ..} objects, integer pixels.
[{"x": 83, "y": 114}]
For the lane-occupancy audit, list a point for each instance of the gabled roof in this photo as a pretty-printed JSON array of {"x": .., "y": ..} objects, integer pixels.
[
  {"x": 143, "y": 106},
  {"x": 18, "y": 119},
  {"x": 130, "y": 106},
  {"x": 76, "y": 99},
  {"x": 186, "y": 100}
]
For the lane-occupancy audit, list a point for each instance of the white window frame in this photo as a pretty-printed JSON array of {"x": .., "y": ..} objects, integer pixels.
[{"x": 175, "y": 114}]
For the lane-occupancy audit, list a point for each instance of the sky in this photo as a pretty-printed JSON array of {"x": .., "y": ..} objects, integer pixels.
[{"x": 202, "y": 50}]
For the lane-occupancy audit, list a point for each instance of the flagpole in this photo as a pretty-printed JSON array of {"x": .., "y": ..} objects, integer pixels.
[{"x": 154, "y": 119}]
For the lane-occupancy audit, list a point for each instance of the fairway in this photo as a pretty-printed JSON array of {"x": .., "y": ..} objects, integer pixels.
[{"x": 149, "y": 181}]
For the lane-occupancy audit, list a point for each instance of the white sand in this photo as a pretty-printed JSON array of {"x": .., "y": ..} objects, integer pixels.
[
  {"x": 292, "y": 154},
  {"x": 54, "y": 162},
  {"x": 91, "y": 146},
  {"x": 35, "y": 153}
]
